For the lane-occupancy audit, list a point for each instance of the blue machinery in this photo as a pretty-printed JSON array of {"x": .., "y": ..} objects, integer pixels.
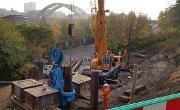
[{"x": 56, "y": 78}]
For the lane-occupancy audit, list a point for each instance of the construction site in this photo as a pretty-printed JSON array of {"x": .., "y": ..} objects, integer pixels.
[{"x": 103, "y": 74}]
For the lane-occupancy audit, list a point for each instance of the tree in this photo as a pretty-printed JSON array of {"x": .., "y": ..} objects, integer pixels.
[
  {"x": 78, "y": 28},
  {"x": 38, "y": 38},
  {"x": 143, "y": 27},
  {"x": 169, "y": 20},
  {"x": 64, "y": 29},
  {"x": 131, "y": 21},
  {"x": 126, "y": 28},
  {"x": 115, "y": 24},
  {"x": 169, "y": 24},
  {"x": 12, "y": 51},
  {"x": 56, "y": 31},
  {"x": 176, "y": 9}
]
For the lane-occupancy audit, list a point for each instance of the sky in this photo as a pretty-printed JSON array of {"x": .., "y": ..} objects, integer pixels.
[{"x": 151, "y": 8}]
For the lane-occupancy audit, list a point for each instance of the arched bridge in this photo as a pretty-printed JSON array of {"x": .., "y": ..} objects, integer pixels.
[{"x": 48, "y": 10}]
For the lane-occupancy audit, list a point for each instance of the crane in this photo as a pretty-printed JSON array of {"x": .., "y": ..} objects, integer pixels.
[{"x": 104, "y": 59}]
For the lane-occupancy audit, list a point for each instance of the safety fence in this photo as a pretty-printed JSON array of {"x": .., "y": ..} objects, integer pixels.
[{"x": 171, "y": 102}]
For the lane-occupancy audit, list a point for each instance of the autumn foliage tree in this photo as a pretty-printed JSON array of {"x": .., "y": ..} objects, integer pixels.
[
  {"x": 169, "y": 24},
  {"x": 128, "y": 26},
  {"x": 122, "y": 29}
]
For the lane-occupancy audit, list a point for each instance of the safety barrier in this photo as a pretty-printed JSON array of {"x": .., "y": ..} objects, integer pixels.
[{"x": 171, "y": 102}]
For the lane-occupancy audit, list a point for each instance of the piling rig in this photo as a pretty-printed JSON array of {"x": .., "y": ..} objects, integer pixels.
[{"x": 104, "y": 60}]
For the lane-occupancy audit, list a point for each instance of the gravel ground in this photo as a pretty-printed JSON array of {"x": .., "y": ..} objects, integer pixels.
[
  {"x": 81, "y": 52},
  {"x": 5, "y": 93}
]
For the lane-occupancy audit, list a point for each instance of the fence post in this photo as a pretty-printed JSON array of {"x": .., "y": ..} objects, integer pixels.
[
  {"x": 133, "y": 84},
  {"x": 94, "y": 89}
]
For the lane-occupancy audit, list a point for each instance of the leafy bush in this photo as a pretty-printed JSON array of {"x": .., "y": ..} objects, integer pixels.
[
  {"x": 137, "y": 44},
  {"x": 12, "y": 51},
  {"x": 112, "y": 45},
  {"x": 38, "y": 38}
]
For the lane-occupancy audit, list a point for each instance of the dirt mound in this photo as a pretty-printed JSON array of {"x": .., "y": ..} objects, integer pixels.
[
  {"x": 162, "y": 75},
  {"x": 175, "y": 76}
]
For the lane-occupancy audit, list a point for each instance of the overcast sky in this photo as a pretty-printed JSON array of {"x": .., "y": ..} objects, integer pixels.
[{"x": 148, "y": 7}]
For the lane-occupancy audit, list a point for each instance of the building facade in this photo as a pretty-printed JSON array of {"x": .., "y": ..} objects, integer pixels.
[
  {"x": 30, "y": 6},
  {"x": 16, "y": 19}
]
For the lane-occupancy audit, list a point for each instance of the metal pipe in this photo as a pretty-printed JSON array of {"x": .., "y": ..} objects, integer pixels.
[{"x": 76, "y": 66}]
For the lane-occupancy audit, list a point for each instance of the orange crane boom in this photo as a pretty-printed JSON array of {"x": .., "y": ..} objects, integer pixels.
[
  {"x": 104, "y": 59},
  {"x": 99, "y": 30}
]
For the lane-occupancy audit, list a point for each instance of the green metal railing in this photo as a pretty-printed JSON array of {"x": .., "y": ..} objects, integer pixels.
[{"x": 148, "y": 102}]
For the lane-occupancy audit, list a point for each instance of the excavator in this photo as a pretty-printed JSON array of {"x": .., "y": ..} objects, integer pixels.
[{"x": 104, "y": 59}]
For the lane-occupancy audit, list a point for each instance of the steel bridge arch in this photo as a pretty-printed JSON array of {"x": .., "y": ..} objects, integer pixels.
[{"x": 48, "y": 10}]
